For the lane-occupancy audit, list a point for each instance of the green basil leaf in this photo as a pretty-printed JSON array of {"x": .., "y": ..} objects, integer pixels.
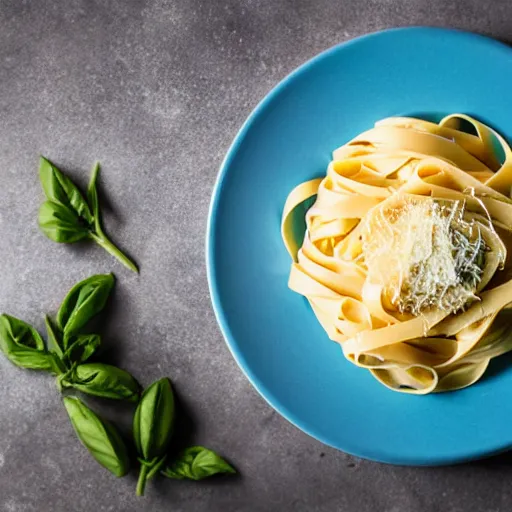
[
  {"x": 154, "y": 420},
  {"x": 92, "y": 197},
  {"x": 60, "y": 189},
  {"x": 196, "y": 463},
  {"x": 152, "y": 429},
  {"x": 24, "y": 347},
  {"x": 100, "y": 437},
  {"x": 54, "y": 337},
  {"x": 103, "y": 380},
  {"x": 23, "y": 334},
  {"x": 83, "y": 302},
  {"x": 81, "y": 348},
  {"x": 55, "y": 346},
  {"x": 61, "y": 224}
]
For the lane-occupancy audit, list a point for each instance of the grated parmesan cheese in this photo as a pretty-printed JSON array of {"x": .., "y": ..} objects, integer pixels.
[{"x": 424, "y": 254}]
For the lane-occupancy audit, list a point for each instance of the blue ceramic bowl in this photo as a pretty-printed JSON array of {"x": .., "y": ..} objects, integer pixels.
[{"x": 271, "y": 331}]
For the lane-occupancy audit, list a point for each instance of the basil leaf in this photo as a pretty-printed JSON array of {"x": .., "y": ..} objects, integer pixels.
[
  {"x": 61, "y": 224},
  {"x": 24, "y": 347},
  {"x": 100, "y": 437},
  {"x": 154, "y": 420},
  {"x": 23, "y": 334},
  {"x": 61, "y": 190},
  {"x": 81, "y": 348},
  {"x": 152, "y": 429},
  {"x": 83, "y": 302},
  {"x": 92, "y": 197},
  {"x": 54, "y": 339},
  {"x": 103, "y": 380},
  {"x": 196, "y": 463}
]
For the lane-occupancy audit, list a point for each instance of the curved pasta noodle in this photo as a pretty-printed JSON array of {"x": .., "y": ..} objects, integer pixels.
[{"x": 405, "y": 256}]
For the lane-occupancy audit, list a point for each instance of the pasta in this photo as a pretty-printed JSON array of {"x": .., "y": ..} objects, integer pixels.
[{"x": 406, "y": 259}]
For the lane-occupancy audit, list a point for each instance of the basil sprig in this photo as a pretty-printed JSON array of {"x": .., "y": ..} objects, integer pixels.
[
  {"x": 197, "y": 463},
  {"x": 66, "y": 217},
  {"x": 67, "y": 355},
  {"x": 24, "y": 347},
  {"x": 100, "y": 437},
  {"x": 152, "y": 429},
  {"x": 102, "y": 380}
]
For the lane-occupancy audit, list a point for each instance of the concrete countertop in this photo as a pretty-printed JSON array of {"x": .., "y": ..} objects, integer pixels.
[{"x": 156, "y": 90}]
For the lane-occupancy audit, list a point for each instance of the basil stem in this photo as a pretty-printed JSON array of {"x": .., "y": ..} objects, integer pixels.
[
  {"x": 152, "y": 429},
  {"x": 102, "y": 240},
  {"x": 100, "y": 437},
  {"x": 66, "y": 217},
  {"x": 142, "y": 480},
  {"x": 99, "y": 235},
  {"x": 196, "y": 463}
]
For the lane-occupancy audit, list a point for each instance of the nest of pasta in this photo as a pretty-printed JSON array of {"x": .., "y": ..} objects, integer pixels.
[{"x": 405, "y": 256}]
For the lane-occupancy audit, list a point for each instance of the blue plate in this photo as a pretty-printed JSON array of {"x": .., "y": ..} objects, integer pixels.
[{"x": 271, "y": 331}]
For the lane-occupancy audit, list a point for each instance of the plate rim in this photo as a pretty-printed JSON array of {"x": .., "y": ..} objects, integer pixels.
[{"x": 220, "y": 315}]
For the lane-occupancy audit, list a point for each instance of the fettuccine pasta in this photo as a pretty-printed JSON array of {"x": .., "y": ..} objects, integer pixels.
[{"x": 406, "y": 256}]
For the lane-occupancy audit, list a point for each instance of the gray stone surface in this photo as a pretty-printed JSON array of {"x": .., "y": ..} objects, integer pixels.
[{"x": 156, "y": 90}]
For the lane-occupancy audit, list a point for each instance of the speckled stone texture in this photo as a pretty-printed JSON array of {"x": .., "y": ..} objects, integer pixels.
[{"x": 156, "y": 90}]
